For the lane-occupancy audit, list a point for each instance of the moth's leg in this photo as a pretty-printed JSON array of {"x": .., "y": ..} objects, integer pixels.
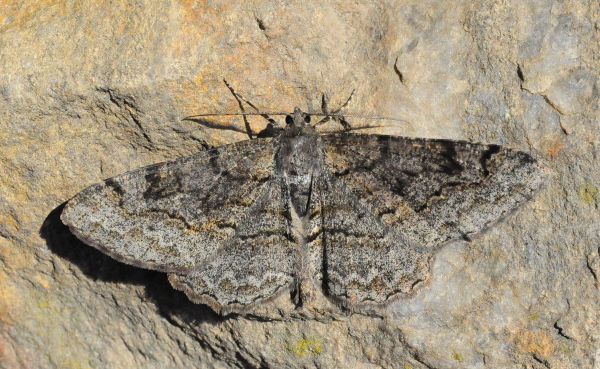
[
  {"x": 335, "y": 114},
  {"x": 242, "y": 98},
  {"x": 239, "y": 101},
  {"x": 340, "y": 118},
  {"x": 271, "y": 123},
  {"x": 324, "y": 110}
]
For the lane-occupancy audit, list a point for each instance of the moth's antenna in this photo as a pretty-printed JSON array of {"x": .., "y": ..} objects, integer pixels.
[
  {"x": 240, "y": 100},
  {"x": 335, "y": 115},
  {"x": 215, "y": 126},
  {"x": 198, "y": 119},
  {"x": 345, "y": 103},
  {"x": 237, "y": 114},
  {"x": 362, "y": 127},
  {"x": 372, "y": 117}
]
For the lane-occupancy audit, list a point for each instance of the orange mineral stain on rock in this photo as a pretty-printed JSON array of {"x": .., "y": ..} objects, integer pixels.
[
  {"x": 535, "y": 342},
  {"x": 43, "y": 281},
  {"x": 554, "y": 148},
  {"x": 10, "y": 301},
  {"x": 15, "y": 257},
  {"x": 8, "y": 356},
  {"x": 15, "y": 13},
  {"x": 194, "y": 11},
  {"x": 9, "y": 222}
]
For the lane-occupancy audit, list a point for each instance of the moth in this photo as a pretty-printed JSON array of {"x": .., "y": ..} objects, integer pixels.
[{"x": 345, "y": 219}]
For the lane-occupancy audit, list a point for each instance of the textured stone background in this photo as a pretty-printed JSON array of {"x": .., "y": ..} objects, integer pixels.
[{"x": 91, "y": 89}]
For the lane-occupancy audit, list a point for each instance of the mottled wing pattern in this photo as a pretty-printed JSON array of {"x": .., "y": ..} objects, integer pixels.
[
  {"x": 390, "y": 201},
  {"x": 176, "y": 215},
  {"x": 365, "y": 262},
  {"x": 256, "y": 266},
  {"x": 432, "y": 191}
]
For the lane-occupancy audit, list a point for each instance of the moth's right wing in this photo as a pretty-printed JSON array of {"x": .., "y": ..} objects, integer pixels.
[
  {"x": 177, "y": 215},
  {"x": 432, "y": 191},
  {"x": 389, "y": 202}
]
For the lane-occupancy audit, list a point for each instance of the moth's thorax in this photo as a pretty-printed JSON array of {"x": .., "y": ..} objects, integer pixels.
[
  {"x": 300, "y": 152},
  {"x": 298, "y": 161}
]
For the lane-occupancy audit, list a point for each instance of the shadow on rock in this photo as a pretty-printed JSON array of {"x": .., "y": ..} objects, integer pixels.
[{"x": 171, "y": 303}]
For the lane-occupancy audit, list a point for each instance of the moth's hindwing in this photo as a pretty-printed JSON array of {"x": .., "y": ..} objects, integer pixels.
[{"x": 258, "y": 264}]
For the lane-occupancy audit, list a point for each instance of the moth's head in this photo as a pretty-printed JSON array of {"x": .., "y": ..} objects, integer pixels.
[{"x": 298, "y": 118}]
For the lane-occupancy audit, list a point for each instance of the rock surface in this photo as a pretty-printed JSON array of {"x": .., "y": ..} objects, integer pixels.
[{"x": 90, "y": 91}]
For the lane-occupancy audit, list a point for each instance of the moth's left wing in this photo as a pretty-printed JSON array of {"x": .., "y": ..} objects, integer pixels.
[{"x": 432, "y": 191}]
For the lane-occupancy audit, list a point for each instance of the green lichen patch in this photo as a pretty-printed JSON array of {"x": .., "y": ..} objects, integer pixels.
[
  {"x": 305, "y": 347},
  {"x": 458, "y": 357},
  {"x": 588, "y": 193}
]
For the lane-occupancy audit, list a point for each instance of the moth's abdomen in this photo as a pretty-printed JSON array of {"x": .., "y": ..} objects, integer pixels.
[{"x": 300, "y": 189}]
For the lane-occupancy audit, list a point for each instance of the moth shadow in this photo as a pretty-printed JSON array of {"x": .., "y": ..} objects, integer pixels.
[{"x": 95, "y": 265}]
